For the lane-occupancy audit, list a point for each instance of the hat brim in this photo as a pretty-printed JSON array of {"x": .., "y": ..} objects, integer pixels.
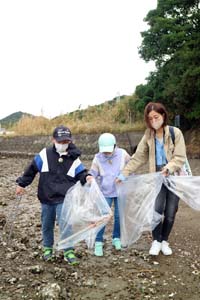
[
  {"x": 63, "y": 138},
  {"x": 106, "y": 148}
]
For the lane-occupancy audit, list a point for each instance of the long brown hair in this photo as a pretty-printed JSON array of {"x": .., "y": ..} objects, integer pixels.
[{"x": 157, "y": 107}]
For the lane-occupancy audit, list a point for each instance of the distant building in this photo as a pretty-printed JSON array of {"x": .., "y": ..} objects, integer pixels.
[{"x": 2, "y": 130}]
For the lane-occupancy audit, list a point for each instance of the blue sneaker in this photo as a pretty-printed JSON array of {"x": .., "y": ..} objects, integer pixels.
[
  {"x": 98, "y": 249},
  {"x": 117, "y": 244}
]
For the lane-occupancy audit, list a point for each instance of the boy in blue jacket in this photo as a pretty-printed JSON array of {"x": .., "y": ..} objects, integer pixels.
[
  {"x": 106, "y": 166},
  {"x": 60, "y": 168}
]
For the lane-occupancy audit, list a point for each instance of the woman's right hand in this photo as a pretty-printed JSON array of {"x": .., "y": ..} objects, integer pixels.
[{"x": 165, "y": 172}]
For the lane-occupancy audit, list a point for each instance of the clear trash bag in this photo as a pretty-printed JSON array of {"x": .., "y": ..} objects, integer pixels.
[
  {"x": 187, "y": 188},
  {"x": 136, "y": 206},
  {"x": 137, "y": 197},
  {"x": 84, "y": 212}
]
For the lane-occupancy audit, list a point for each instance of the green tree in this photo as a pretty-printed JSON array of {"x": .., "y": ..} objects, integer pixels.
[{"x": 172, "y": 41}]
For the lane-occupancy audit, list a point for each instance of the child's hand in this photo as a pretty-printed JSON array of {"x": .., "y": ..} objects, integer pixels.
[
  {"x": 20, "y": 190},
  {"x": 89, "y": 178},
  {"x": 118, "y": 181},
  {"x": 120, "y": 178}
]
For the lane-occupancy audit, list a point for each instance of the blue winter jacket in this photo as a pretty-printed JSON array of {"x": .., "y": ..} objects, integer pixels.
[{"x": 57, "y": 174}]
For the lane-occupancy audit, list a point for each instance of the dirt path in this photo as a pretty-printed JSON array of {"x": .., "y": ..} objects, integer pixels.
[{"x": 129, "y": 274}]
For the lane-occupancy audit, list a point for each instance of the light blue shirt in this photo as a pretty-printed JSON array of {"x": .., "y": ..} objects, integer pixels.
[{"x": 160, "y": 153}]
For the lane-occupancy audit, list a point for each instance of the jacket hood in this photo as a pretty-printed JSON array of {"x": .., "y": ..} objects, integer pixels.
[
  {"x": 103, "y": 158},
  {"x": 73, "y": 151}
]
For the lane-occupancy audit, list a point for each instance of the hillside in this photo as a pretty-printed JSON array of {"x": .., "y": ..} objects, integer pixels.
[
  {"x": 122, "y": 114},
  {"x": 13, "y": 118},
  {"x": 116, "y": 115}
]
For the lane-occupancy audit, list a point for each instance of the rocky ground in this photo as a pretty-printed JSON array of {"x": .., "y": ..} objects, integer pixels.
[{"x": 129, "y": 274}]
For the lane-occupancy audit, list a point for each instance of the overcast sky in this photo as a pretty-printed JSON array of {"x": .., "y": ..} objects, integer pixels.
[{"x": 58, "y": 55}]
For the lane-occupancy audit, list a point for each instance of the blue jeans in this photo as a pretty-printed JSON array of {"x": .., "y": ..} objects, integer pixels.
[
  {"x": 167, "y": 204},
  {"x": 48, "y": 217},
  {"x": 116, "y": 227}
]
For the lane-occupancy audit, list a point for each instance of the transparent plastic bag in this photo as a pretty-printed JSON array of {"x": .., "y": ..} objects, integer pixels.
[
  {"x": 137, "y": 196},
  {"x": 187, "y": 188},
  {"x": 185, "y": 170},
  {"x": 136, "y": 202},
  {"x": 85, "y": 211}
]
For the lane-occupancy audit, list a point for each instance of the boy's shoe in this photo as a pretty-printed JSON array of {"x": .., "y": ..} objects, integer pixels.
[
  {"x": 155, "y": 248},
  {"x": 98, "y": 249},
  {"x": 48, "y": 253},
  {"x": 70, "y": 257},
  {"x": 166, "y": 250},
  {"x": 117, "y": 243}
]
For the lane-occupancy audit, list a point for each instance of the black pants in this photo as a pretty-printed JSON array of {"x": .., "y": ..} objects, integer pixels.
[{"x": 166, "y": 204}]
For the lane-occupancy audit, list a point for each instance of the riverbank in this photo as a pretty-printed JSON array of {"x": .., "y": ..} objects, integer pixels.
[{"x": 129, "y": 274}]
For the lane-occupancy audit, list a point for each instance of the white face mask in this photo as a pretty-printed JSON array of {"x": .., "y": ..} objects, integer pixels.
[
  {"x": 156, "y": 124},
  {"x": 60, "y": 148}
]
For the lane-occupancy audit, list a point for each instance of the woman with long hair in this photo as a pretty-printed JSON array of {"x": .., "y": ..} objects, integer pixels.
[{"x": 163, "y": 155}]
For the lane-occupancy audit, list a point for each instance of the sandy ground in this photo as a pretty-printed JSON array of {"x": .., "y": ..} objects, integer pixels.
[{"x": 128, "y": 274}]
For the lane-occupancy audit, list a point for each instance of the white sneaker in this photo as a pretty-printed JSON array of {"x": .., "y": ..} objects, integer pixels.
[
  {"x": 155, "y": 248},
  {"x": 166, "y": 250}
]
